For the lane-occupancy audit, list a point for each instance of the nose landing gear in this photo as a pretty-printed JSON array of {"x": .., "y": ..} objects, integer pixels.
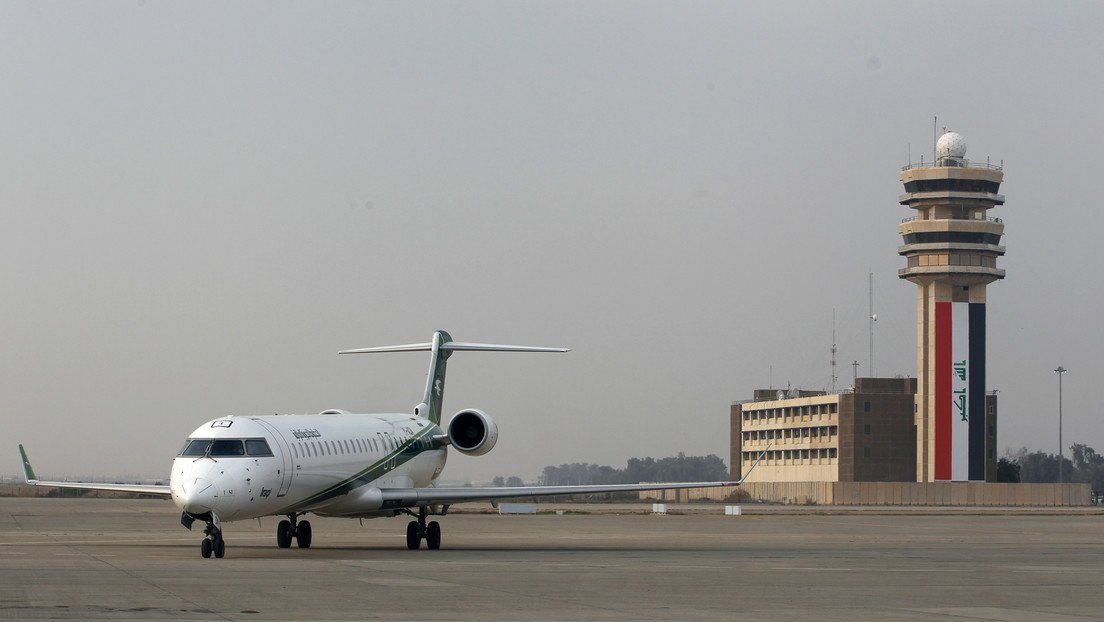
[
  {"x": 213, "y": 543},
  {"x": 289, "y": 529}
]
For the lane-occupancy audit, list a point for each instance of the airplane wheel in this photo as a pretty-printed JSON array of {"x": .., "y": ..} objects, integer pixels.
[
  {"x": 433, "y": 535},
  {"x": 413, "y": 538},
  {"x": 220, "y": 547},
  {"x": 205, "y": 548},
  {"x": 303, "y": 534},
  {"x": 283, "y": 534}
]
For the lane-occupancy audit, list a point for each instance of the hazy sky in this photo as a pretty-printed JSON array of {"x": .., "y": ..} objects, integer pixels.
[{"x": 203, "y": 202}]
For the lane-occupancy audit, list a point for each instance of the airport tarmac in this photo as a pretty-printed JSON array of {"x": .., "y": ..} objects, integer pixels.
[{"x": 130, "y": 559}]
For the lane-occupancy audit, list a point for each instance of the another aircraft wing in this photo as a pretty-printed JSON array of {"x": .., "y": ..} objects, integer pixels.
[
  {"x": 410, "y": 497},
  {"x": 149, "y": 489}
]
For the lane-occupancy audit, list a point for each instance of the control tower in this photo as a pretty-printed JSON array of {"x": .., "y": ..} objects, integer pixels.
[{"x": 951, "y": 247}]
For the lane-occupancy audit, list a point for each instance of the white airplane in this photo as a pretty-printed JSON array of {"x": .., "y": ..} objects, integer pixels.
[{"x": 338, "y": 463}]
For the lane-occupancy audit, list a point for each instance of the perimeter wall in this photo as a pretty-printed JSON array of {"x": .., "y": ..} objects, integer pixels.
[{"x": 888, "y": 493}]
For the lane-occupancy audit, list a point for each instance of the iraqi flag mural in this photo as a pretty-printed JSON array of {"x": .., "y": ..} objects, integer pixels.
[{"x": 959, "y": 391}]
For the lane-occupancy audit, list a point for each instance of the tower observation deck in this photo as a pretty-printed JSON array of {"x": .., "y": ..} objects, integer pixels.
[{"x": 951, "y": 247}]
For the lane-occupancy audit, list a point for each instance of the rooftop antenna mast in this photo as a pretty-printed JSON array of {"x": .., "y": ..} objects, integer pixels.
[
  {"x": 873, "y": 318},
  {"x": 833, "y": 350},
  {"x": 935, "y": 138}
]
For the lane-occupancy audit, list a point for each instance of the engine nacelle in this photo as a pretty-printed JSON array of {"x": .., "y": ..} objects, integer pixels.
[{"x": 472, "y": 432}]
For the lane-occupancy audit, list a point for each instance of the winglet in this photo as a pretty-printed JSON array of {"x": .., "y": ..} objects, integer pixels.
[{"x": 28, "y": 472}]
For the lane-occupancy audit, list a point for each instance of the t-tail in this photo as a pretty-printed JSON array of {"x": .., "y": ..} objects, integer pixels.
[{"x": 441, "y": 348}]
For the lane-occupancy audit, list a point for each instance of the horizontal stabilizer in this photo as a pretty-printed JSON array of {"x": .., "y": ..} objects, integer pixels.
[{"x": 455, "y": 346}]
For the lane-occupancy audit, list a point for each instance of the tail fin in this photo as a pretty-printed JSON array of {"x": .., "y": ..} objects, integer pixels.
[
  {"x": 28, "y": 472},
  {"x": 441, "y": 348}
]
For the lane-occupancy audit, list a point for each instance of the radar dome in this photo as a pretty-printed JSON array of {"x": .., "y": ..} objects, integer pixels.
[{"x": 951, "y": 145}]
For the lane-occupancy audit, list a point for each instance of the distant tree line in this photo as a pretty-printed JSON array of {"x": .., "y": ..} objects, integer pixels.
[
  {"x": 680, "y": 468},
  {"x": 1082, "y": 465}
]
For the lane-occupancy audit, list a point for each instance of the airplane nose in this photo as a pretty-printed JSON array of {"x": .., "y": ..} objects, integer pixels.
[{"x": 196, "y": 496}]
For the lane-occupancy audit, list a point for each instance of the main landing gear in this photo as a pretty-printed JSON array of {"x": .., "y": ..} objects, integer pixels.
[
  {"x": 418, "y": 529},
  {"x": 289, "y": 529}
]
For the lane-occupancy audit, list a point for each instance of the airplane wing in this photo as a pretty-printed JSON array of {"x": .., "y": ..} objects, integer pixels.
[
  {"x": 149, "y": 489},
  {"x": 410, "y": 497}
]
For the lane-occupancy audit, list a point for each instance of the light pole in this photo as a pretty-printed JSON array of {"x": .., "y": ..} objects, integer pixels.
[{"x": 1060, "y": 370}]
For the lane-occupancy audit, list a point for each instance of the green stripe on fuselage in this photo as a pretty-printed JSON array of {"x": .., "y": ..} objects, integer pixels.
[{"x": 406, "y": 452}]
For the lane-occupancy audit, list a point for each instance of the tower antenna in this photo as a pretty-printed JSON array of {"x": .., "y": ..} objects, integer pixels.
[
  {"x": 935, "y": 139},
  {"x": 833, "y": 350},
  {"x": 873, "y": 318}
]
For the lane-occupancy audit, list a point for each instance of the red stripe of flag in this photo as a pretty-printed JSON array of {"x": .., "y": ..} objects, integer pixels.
[{"x": 943, "y": 390}]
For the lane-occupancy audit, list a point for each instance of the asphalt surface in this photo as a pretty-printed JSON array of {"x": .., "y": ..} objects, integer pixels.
[{"x": 131, "y": 560}]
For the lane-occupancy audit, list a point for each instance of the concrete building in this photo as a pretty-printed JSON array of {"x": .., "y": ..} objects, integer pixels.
[
  {"x": 866, "y": 435},
  {"x": 951, "y": 248}
]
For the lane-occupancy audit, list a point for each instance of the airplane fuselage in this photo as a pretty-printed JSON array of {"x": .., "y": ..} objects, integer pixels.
[{"x": 333, "y": 463}]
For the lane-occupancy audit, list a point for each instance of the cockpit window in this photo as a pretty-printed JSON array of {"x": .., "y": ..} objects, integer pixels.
[
  {"x": 195, "y": 447},
  {"x": 225, "y": 447},
  {"x": 257, "y": 447}
]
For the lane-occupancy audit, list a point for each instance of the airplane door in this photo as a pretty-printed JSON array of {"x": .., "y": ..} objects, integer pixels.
[{"x": 288, "y": 470}]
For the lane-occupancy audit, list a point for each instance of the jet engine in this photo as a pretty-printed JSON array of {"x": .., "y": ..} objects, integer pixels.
[{"x": 472, "y": 432}]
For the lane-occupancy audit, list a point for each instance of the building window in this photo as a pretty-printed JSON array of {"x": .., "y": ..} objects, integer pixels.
[
  {"x": 866, "y": 407},
  {"x": 992, "y": 409},
  {"x": 990, "y": 430},
  {"x": 866, "y": 452},
  {"x": 831, "y": 452},
  {"x": 866, "y": 427}
]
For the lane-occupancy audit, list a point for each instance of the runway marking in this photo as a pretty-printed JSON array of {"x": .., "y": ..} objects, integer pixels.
[
  {"x": 405, "y": 581},
  {"x": 879, "y": 570},
  {"x": 999, "y": 614}
]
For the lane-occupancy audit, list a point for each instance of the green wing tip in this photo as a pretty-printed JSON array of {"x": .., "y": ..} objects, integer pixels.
[{"x": 28, "y": 472}]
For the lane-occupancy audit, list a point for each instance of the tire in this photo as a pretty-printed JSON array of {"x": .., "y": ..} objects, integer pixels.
[
  {"x": 283, "y": 534},
  {"x": 433, "y": 535},
  {"x": 205, "y": 548},
  {"x": 303, "y": 534},
  {"x": 220, "y": 548},
  {"x": 413, "y": 538}
]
